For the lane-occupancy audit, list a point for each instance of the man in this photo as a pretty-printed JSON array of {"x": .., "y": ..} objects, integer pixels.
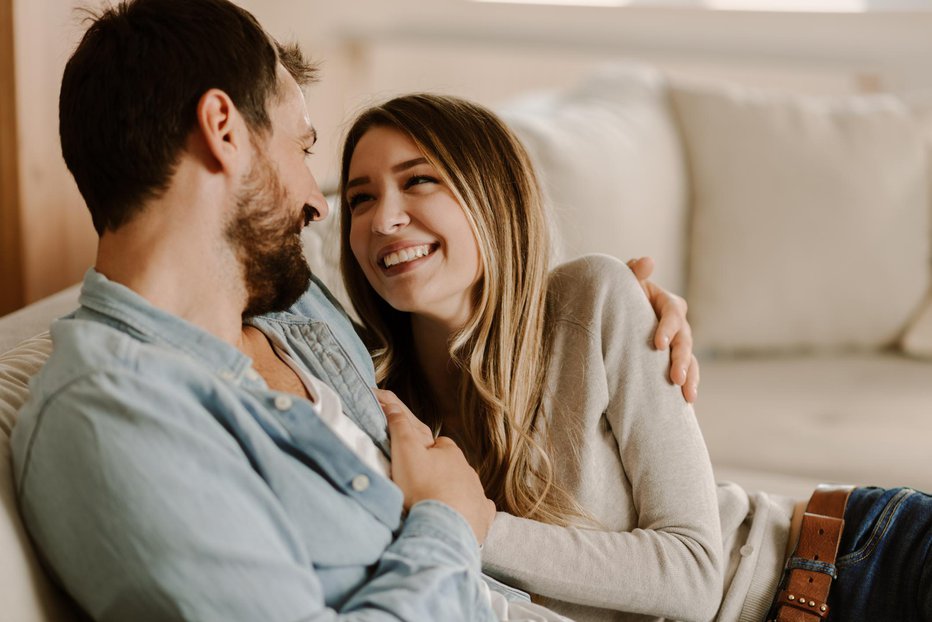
[{"x": 184, "y": 453}]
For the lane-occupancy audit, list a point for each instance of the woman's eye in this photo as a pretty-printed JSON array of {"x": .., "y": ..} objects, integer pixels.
[
  {"x": 357, "y": 199},
  {"x": 308, "y": 152},
  {"x": 417, "y": 180}
]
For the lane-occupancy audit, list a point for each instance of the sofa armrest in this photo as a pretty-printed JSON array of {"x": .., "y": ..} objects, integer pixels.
[{"x": 35, "y": 318}]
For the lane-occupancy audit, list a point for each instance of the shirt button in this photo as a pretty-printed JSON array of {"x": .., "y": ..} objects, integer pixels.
[
  {"x": 360, "y": 483},
  {"x": 252, "y": 374},
  {"x": 226, "y": 374},
  {"x": 283, "y": 402},
  {"x": 746, "y": 550}
]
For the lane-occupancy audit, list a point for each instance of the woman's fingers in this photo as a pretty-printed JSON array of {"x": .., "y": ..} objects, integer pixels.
[
  {"x": 391, "y": 404},
  {"x": 691, "y": 386}
]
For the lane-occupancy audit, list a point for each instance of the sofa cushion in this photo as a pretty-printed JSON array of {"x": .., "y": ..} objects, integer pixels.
[
  {"x": 917, "y": 341},
  {"x": 810, "y": 219},
  {"x": 26, "y": 593},
  {"x": 611, "y": 166},
  {"x": 858, "y": 418}
]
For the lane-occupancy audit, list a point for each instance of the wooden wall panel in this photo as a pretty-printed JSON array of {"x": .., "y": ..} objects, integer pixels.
[
  {"x": 58, "y": 239},
  {"x": 11, "y": 259}
]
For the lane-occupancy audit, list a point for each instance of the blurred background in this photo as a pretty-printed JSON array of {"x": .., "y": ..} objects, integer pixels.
[{"x": 489, "y": 51}]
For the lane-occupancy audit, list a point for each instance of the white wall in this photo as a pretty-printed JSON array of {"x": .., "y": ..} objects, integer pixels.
[
  {"x": 490, "y": 52},
  {"x": 371, "y": 48},
  {"x": 58, "y": 239}
]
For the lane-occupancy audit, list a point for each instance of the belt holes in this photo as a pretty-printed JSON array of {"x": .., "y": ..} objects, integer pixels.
[
  {"x": 821, "y": 532},
  {"x": 815, "y": 557},
  {"x": 810, "y": 579}
]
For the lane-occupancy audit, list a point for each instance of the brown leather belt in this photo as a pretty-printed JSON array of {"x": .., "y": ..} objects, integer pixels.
[{"x": 810, "y": 570}]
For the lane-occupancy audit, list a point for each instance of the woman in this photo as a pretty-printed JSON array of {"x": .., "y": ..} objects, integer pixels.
[{"x": 547, "y": 383}]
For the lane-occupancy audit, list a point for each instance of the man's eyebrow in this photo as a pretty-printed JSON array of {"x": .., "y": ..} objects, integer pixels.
[{"x": 359, "y": 181}]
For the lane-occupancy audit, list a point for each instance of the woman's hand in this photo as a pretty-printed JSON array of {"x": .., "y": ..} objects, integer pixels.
[
  {"x": 392, "y": 404},
  {"x": 673, "y": 330},
  {"x": 428, "y": 468}
]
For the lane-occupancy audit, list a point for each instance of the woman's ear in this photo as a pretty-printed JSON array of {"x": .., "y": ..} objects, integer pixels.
[{"x": 223, "y": 130}]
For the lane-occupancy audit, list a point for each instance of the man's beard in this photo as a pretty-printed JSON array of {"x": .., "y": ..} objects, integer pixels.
[{"x": 266, "y": 238}]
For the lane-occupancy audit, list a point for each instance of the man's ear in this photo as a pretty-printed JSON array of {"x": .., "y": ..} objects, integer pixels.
[{"x": 223, "y": 130}]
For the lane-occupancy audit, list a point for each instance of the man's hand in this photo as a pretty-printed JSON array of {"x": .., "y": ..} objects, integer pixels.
[
  {"x": 425, "y": 468},
  {"x": 673, "y": 329}
]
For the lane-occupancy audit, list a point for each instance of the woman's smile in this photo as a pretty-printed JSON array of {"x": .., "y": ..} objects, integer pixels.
[{"x": 397, "y": 258}]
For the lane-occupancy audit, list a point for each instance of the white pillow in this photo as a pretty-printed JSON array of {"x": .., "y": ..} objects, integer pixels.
[
  {"x": 611, "y": 167},
  {"x": 16, "y": 368},
  {"x": 810, "y": 219},
  {"x": 917, "y": 340},
  {"x": 26, "y": 593}
]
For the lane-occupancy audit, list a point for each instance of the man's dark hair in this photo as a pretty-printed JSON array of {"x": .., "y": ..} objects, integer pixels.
[{"x": 129, "y": 93}]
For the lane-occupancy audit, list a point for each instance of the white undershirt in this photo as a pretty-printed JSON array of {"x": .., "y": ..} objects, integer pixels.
[{"x": 330, "y": 410}]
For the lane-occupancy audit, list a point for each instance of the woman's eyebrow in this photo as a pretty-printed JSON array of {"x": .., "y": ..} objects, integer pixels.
[
  {"x": 408, "y": 164},
  {"x": 359, "y": 181}
]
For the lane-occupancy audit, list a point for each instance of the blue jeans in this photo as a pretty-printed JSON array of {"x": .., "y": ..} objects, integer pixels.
[{"x": 885, "y": 558}]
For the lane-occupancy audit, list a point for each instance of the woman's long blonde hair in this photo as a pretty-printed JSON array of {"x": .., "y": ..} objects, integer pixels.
[{"x": 502, "y": 349}]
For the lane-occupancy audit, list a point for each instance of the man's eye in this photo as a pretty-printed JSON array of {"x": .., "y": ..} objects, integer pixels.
[{"x": 417, "y": 180}]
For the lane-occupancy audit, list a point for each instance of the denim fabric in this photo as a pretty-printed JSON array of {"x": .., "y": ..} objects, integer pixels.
[
  {"x": 885, "y": 558},
  {"x": 162, "y": 479}
]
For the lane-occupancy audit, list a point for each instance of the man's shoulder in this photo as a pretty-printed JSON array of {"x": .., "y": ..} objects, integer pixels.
[
  {"x": 101, "y": 377},
  {"x": 81, "y": 346},
  {"x": 81, "y": 350},
  {"x": 90, "y": 352}
]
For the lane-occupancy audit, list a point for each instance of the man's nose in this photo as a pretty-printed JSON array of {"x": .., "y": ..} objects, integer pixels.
[{"x": 317, "y": 200}]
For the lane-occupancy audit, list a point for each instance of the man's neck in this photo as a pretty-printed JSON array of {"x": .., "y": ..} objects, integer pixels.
[{"x": 177, "y": 273}]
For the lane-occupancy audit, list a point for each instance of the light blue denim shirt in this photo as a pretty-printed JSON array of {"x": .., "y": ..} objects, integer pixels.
[{"x": 161, "y": 479}]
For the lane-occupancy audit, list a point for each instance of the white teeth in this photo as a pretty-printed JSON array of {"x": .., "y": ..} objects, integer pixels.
[{"x": 405, "y": 255}]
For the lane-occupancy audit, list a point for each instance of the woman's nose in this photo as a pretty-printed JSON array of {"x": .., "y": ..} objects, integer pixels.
[{"x": 389, "y": 217}]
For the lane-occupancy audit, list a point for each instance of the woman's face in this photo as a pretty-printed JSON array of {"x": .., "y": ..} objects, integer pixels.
[{"x": 408, "y": 232}]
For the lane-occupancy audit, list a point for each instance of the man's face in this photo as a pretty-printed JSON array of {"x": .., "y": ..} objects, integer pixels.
[{"x": 277, "y": 198}]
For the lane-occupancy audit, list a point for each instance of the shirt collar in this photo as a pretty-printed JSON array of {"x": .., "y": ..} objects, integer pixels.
[{"x": 121, "y": 305}]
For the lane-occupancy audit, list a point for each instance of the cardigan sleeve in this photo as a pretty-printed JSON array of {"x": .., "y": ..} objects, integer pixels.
[{"x": 669, "y": 563}]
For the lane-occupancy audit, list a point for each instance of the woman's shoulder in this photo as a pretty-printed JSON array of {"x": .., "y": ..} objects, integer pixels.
[
  {"x": 594, "y": 289},
  {"x": 593, "y": 275}
]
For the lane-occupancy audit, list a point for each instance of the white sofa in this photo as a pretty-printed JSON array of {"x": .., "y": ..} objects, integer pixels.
[{"x": 798, "y": 228}]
